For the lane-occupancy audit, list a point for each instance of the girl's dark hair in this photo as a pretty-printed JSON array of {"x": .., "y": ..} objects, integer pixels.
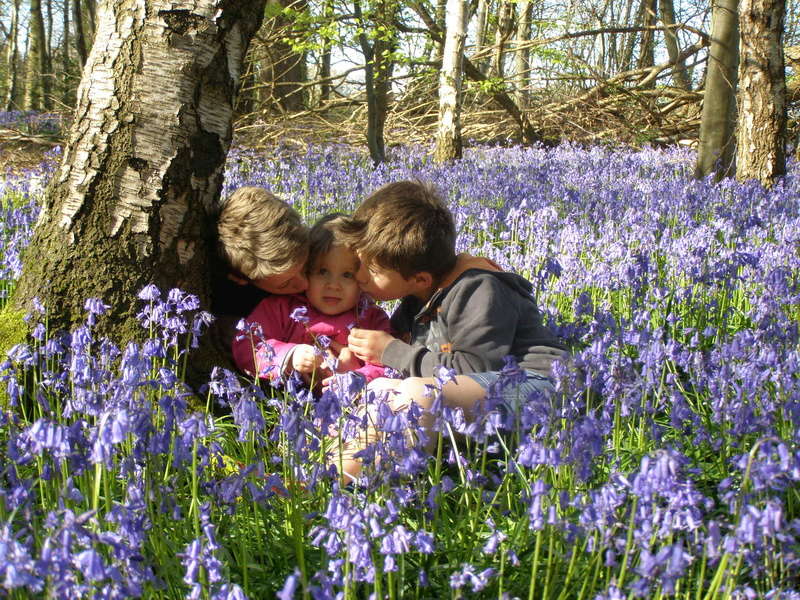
[{"x": 322, "y": 237}]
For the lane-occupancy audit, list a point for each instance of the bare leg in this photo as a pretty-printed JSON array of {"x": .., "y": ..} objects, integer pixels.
[{"x": 463, "y": 393}]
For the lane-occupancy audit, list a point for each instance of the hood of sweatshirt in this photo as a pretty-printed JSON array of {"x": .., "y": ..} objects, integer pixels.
[{"x": 466, "y": 262}]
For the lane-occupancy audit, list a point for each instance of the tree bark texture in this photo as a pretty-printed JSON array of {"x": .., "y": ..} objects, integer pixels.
[
  {"x": 134, "y": 198},
  {"x": 717, "y": 144},
  {"x": 448, "y": 136},
  {"x": 761, "y": 134}
]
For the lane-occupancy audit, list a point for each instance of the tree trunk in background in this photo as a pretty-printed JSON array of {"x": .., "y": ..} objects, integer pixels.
[
  {"x": 522, "y": 54},
  {"x": 440, "y": 16},
  {"x": 134, "y": 199},
  {"x": 647, "y": 46},
  {"x": 37, "y": 84},
  {"x": 325, "y": 66},
  {"x": 716, "y": 147},
  {"x": 287, "y": 68},
  {"x": 448, "y": 136},
  {"x": 481, "y": 17},
  {"x": 625, "y": 62},
  {"x": 761, "y": 150},
  {"x": 505, "y": 26},
  {"x": 80, "y": 36},
  {"x": 378, "y": 66},
  {"x": 91, "y": 10},
  {"x": 12, "y": 93},
  {"x": 66, "y": 93},
  {"x": 680, "y": 76}
]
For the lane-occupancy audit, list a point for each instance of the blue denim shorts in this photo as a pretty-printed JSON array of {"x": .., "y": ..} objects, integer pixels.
[{"x": 514, "y": 395}]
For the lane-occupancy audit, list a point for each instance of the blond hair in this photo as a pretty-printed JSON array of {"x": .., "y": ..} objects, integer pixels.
[
  {"x": 404, "y": 226},
  {"x": 259, "y": 234}
]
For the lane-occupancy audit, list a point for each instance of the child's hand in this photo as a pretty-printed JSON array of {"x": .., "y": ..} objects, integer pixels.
[
  {"x": 305, "y": 360},
  {"x": 368, "y": 344},
  {"x": 347, "y": 360}
]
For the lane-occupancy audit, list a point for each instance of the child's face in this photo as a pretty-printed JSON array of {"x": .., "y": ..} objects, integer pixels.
[
  {"x": 383, "y": 284},
  {"x": 332, "y": 285}
]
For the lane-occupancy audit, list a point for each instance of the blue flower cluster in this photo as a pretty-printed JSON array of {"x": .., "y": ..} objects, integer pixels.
[{"x": 665, "y": 464}]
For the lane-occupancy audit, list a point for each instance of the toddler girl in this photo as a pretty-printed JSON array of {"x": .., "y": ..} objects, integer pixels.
[{"x": 293, "y": 326}]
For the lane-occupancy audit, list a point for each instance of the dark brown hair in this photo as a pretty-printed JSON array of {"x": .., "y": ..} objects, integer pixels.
[{"x": 404, "y": 226}]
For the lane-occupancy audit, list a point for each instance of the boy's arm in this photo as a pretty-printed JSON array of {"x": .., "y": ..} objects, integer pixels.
[
  {"x": 478, "y": 321},
  {"x": 376, "y": 320}
]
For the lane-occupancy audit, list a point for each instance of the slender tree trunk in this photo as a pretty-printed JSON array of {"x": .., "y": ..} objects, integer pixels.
[
  {"x": 325, "y": 67},
  {"x": 505, "y": 26},
  {"x": 47, "y": 66},
  {"x": 36, "y": 82},
  {"x": 378, "y": 67},
  {"x": 66, "y": 95},
  {"x": 680, "y": 76},
  {"x": 11, "y": 99},
  {"x": 481, "y": 18},
  {"x": 761, "y": 151},
  {"x": 647, "y": 47},
  {"x": 91, "y": 10},
  {"x": 440, "y": 17},
  {"x": 522, "y": 54},
  {"x": 448, "y": 136},
  {"x": 133, "y": 200},
  {"x": 626, "y": 59},
  {"x": 80, "y": 37},
  {"x": 717, "y": 144}
]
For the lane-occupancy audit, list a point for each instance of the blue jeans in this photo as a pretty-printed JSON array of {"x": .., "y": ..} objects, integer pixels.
[{"x": 514, "y": 394}]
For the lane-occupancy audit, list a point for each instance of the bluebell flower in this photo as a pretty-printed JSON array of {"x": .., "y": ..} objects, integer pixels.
[{"x": 300, "y": 315}]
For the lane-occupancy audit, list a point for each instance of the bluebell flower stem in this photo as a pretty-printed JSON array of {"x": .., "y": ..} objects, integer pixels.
[{"x": 535, "y": 564}]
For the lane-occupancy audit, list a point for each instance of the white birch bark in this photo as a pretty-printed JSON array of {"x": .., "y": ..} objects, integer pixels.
[
  {"x": 141, "y": 173},
  {"x": 761, "y": 134},
  {"x": 448, "y": 137}
]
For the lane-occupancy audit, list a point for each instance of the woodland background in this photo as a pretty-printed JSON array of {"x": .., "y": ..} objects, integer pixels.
[{"x": 631, "y": 71}]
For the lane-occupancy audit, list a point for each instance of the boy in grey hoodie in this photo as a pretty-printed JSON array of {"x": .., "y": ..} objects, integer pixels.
[{"x": 458, "y": 311}]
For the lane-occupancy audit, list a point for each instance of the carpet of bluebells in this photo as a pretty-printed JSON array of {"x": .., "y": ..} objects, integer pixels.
[{"x": 665, "y": 465}]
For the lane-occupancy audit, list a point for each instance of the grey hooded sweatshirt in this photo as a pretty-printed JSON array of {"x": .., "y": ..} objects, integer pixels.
[{"x": 472, "y": 322}]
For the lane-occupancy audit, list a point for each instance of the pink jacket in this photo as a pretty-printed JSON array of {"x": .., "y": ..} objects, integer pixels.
[{"x": 282, "y": 333}]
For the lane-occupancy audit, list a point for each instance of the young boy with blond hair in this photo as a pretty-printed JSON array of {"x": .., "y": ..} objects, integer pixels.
[
  {"x": 458, "y": 311},
  {"x": 263, "y": 245}
]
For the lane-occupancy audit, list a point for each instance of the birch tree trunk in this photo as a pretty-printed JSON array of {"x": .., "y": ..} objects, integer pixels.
[
  {"x": 448, "y": 136},
  {"x": 10, "y": 101},
  {"x": 134, "y": 198},
  {"x": 761, "y": 150},
  {"x": 716, "y": 147}
]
